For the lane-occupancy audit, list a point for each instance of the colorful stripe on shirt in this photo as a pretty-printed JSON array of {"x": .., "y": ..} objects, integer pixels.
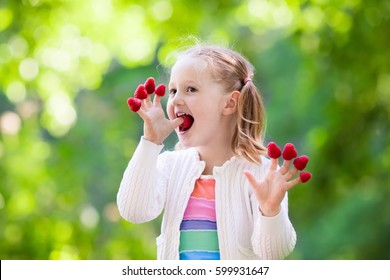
[{"x": 198, "y": 230}]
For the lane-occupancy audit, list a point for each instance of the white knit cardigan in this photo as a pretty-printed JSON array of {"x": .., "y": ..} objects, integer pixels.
[{"x": 153, "y": 182}]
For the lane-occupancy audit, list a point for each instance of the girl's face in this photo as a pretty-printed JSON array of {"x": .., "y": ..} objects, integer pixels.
[{"x": 195, "y": 96}]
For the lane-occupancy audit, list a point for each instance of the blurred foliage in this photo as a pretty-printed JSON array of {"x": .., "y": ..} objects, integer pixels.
[{"x": 66, "y": 134}]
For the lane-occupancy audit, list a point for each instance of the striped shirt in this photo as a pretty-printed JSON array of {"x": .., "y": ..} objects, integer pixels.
[{"x": 198, "y": 229}]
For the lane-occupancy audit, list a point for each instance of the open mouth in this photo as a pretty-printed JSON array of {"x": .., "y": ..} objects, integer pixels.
[{"x": 188, "y": 121}]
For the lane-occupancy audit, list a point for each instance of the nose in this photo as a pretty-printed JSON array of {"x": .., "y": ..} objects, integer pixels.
[{"x": 177, "y": 99}]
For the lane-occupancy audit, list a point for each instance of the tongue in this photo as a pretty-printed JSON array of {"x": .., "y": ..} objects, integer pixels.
[{"x": 188, "y": 120}]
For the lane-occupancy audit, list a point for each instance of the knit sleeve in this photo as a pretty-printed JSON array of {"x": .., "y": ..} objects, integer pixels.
[
  {"x": 142, "y": 191},
  {"x": 273, "y": 237}
]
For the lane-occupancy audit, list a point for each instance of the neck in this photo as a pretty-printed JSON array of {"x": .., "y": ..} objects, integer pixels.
[
  {"x": 217, "y": 151},
  {"x": 214, "y": 155}
]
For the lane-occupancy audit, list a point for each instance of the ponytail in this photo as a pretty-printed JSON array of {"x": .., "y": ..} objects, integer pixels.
[{"x": 248, "y": 133}]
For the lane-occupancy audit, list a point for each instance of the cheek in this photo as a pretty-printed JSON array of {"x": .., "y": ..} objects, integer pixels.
[{"x": 170, "y": 110}]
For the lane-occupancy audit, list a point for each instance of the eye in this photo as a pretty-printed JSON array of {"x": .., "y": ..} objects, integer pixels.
[
  {"x": 172, "y": 91},
  {"x": 191, "y": 89}
]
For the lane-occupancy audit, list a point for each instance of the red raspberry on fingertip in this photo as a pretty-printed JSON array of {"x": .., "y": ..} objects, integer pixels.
[
  {"x": 301, "y": 162},
  {"x": 273, "y": 150},
  {"x": 141, "y": 92},
  {"x": 289, "y": 152},
  {"x": 150, "y": 85},
  {"x": 134, "y": 104},
  {"x": 160, "y": 90},
  {"x": 304, "y": 176}
]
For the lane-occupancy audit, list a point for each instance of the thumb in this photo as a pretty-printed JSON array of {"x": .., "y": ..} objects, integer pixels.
[{"x": 251, "y": 179}]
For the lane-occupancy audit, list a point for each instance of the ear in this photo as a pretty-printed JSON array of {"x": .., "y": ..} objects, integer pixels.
[{"x": 231, "y": 103}]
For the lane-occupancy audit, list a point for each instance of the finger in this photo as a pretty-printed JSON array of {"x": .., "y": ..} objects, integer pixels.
[
  {"x": 157, "y": 100},
  {"x": 149, "y": 98},
  {"x": 293, "y": 183},
  {"x": 251, "y": 179},
  {"x": 141, "y": 112},
  {"x": 274, "y": 164},
  {"x": 146, "y": 104},
  {"x": 176, "y": 122},
  {"x": 285, "y": 167},
  {"x": 291, "y": 173}
]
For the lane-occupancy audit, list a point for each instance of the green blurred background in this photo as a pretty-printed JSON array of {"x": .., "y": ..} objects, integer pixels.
[{"x": 66, "y": 134}]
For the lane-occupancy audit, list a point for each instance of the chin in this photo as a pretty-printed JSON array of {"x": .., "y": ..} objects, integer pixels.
[{"x": 183, "y": 144}]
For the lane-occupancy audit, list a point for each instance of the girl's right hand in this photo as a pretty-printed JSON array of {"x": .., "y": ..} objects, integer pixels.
[{"x": 156, "y": 126}]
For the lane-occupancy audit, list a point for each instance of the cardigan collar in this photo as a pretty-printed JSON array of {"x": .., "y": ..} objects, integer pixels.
[{"x": 232, "y": 162}]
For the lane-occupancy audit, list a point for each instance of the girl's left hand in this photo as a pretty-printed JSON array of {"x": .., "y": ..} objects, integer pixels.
[{"x": 271, "y": 190}]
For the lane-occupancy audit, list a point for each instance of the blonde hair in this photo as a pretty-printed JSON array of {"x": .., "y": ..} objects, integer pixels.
[{"x": 235, "y": 72}]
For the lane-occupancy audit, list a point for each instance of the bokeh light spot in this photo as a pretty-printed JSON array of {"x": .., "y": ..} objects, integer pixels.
[
  {"x": 111, "y": 212},
  {"x": 16, "y": 91},
  {"x": 22, "y": 203},
  {"x": 29, "y": 69},
  {"x": 10, "y": 123},
  {"x": 18, "y": 46},
  {"x": 65, "y": 252},
  {"x": 89, "y": 217},
  {"x": 162, "y": 10}
]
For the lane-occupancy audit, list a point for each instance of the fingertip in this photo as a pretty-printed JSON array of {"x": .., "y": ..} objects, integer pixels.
[
  {"x": 177, "y": 122},
  {"x": 247, "y": 171},
  {"x": 249, "y": 176},
  {"x": 180, "y": 120}
]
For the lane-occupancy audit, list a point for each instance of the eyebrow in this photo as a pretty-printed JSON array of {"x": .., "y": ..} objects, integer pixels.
[{"x": 187, "y": 82}]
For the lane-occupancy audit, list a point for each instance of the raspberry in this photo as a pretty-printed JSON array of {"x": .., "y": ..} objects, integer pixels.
[
  {"x": 300, "y": 162},
  {"x": 289, "y": 152},
  {"x": 134, "y": 104},
  {"x": 160, "y": 90},
  {"x": 140, "y": 92},
  {"x": 304, "y": 176},
  {"x": 150, "y": 86},
  {"x": 187, "y": 122},
  {"x": 273, "y": 150}
]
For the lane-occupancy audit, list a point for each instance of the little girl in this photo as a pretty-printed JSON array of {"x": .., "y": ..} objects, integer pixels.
[{"x": 222, "y": 198}]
